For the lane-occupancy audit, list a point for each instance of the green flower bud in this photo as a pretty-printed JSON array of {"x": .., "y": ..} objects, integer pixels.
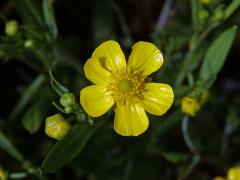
[
  {"x": 203, "y": 15},
  {"x": 218, "y": 14},
  {"x": 28, "y": 43},
  {"x": 11, "y": 28},
  {"x": 67, "y": 99},
  {"x": 68, "y": 109},
  {"x": 57, "y": 127}
]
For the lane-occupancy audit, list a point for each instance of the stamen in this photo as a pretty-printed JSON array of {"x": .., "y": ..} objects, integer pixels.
[{"x": 125, "y": 86}]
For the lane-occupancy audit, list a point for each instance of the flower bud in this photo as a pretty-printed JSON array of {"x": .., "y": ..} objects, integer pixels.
[
  {"x": 218, "y": 14},
  {"x": 57, "y": 127},
  {"x": 28, "y": 43},
  {"x": 11, "y": 28},
  {"x": 203, "y": 15},
  {"x": 233, "y": 173},
  {"x": 3, "y": 174},
  {"x": 67, "y": 99},
  {"x": 68, "y": 109},
  {"x": 190, "y": 106}
]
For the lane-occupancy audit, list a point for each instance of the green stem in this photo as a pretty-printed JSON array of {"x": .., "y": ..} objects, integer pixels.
[
  {"x": 186, "y": 136},
  {"x": 122, "y": 21},
  {"x": 195, "y": 44},
  {"x": 191, "y": 147},
  {"x": 42, "y": 59},
  {"x": 194, "y": 162},
  {"x": 163, "y": 16}
]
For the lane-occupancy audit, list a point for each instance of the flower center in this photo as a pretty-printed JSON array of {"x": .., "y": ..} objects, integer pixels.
[{"x": 125, "y": 86}]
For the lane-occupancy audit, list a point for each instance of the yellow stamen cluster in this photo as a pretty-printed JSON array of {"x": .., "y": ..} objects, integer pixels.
[{"x": 126, "y": 85}]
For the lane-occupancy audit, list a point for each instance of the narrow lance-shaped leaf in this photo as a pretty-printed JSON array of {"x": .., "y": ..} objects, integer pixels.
[
  {"x": 57, "y": 87},
  {"x": 7, "y": 146},
  {"x": 33, "y": 118},
  {"x": 30, "y": 12},
  {"x": 206, "y": 84},
  {"x": 175, "y": 157},
  {"x": 217, "y": 53},
  {"x": 232, "y": 7},
  {"x": 195, "y": 12},
  {"x": 49, "y": 17},
  {"x": 67, "y": 149},
  {"x": 27, "y": 95}
]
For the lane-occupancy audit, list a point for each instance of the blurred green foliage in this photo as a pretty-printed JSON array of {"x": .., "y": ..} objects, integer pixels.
[{"x": 58, "y": 37}]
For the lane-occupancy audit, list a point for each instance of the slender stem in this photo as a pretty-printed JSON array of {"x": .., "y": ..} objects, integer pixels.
[
  {"x": 202, "y": 36},
  {"x": 186, "y": 136},
  {"x": 163, "y": 15},
  {"x": 194, "y": 162},
  {"x": 190, "y": 145},
  {"x": 128, "y": 170},
  {"x": 122, "y": 21}
]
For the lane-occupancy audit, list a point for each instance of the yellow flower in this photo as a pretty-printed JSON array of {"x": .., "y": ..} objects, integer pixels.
[
  {"x": 3, "y": 174},
  {"x": 233, "y": 173},
  {"x": 124, "y": 84},
  {"x": 57, "y": 127},
  {"x": 190, "y": 106}
]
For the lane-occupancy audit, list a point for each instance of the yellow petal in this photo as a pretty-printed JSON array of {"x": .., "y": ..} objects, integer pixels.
[
  {"x": 157, "y": 98},
  {"x": 130, "y": 120},
  {"x": 233, "y": 173},
  {"x": 95, "y": 100},
  {"x": 95, "y": 72},
  {"x": 219, "y": 178},
  {"x": 110, "y": 56},
  {"x": 145, "y": 58}
]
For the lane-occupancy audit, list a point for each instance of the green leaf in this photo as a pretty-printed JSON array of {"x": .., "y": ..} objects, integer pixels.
[
  {"x": 206, "y": 84},
  {"x": 217, "y": 53},
  {"x": 49, "y": 17},
  {"x": 231, "y": 8},
  {"x": 33, "y": 118},
  {"x": 181, "y": 91},
  {"x": 191, "y": 62},
  {"x": 170, "y": 121},
  {"x": 27, "y": 95},
  {"x": 6, "y": 145},
  {"x": 32, "y": 32},
  {"x": 57, "y": 87},
  {"x": 174, "y": 157},
  {"x": 195, "y": 10},
  {"x": 68, "y": 148},
  {"x": 30, "y": 12}
]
